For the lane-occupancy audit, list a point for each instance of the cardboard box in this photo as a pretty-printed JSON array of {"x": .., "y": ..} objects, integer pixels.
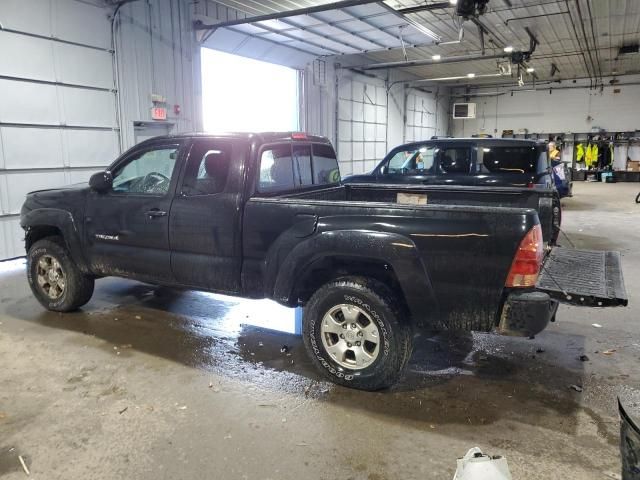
[{"x": 633, "y": 165}]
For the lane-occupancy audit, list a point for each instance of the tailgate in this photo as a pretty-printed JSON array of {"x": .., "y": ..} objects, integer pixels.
[{"x": 583, "y": 277}]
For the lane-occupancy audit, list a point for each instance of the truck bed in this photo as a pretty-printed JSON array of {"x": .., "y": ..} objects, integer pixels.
[
  {"x": 539, "y": 199},
  {"x": 462, "y": 241}
]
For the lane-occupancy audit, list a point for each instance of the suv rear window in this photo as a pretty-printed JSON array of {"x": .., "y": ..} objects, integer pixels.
[{"x": 510, "y": 159}]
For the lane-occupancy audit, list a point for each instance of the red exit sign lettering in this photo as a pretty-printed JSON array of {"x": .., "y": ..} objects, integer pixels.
[{"x": 158, "y": 113}]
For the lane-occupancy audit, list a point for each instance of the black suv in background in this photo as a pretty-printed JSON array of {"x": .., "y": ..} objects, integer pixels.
[{"x": 465, "y": 161}]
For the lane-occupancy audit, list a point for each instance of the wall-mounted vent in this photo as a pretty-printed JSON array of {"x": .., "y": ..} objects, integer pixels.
[
  {"x": 629, "y": 49},
  {"x": 464, "y": 110}
]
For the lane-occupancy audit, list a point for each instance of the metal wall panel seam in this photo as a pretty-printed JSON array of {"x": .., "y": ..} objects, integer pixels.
[
  {"x": 55, "y": 39},
  {"x": 3, "y": 161},
  {"x": 50, "y": 169},
  {"x": 56, "y": 83},
  {"x": 60, "y": 126}
]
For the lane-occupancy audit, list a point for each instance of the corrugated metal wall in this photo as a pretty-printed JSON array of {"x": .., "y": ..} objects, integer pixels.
[
  {"x": 157, "y": 54},
  {"x": 59, "y": 115}
]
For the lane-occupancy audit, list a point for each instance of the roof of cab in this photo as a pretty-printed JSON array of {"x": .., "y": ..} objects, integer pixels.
[{"x": 263, "y": 137}]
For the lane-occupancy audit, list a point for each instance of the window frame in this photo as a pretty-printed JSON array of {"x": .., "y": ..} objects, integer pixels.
[{"x": 140, "y": 150}]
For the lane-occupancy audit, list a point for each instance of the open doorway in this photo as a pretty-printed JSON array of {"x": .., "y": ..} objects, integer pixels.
[{"x": 240, "y": 94}]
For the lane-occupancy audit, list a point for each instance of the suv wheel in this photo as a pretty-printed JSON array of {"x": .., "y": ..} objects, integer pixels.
[
  {"x": 54, "y": 278},
  {"x": 357, "y": 334}
]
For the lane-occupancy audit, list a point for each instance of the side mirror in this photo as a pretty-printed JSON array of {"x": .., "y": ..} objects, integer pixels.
[
  {"x": 101, "y": 182},
  {"x": 383, "y": 170}
]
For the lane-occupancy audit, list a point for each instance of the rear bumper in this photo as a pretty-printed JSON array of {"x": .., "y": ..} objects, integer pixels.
[{"x": 526, "y": 313}]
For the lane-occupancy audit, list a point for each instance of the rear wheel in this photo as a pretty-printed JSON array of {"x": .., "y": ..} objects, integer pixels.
[
  {"x": 55, "y": 280},
  {"x": 357, "y": 333}
]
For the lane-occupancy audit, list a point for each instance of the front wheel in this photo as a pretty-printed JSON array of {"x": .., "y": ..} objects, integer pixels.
[
  {"x": 357, "y": 333},
  {"x": 55, "y": 280}
]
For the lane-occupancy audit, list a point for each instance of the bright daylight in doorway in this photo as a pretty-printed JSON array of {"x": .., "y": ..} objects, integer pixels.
[{"x": 241, "y": 94}]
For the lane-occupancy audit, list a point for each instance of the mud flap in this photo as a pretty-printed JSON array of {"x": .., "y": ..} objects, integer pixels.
[{"x": 583, "y": 277}]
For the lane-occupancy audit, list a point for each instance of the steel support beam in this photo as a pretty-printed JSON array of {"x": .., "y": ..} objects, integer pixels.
[
  {"x": 419, "y": 63},
  {"x": 285, "y": 14},
  {"x": 425, "y": 8}
]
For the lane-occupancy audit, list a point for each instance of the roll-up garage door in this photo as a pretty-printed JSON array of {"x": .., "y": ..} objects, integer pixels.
[
  {"x": 362, "y": 123},
  {"x": 58, "y": 121}
]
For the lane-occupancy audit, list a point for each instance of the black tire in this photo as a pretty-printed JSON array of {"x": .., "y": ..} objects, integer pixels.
[
  {"x": 78, "y": 288},
  {"x": 638, "y": 198},
  {"x": 392, "y": 322}
]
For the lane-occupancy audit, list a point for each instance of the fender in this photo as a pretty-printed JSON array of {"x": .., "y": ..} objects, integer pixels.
[
  {"x": 64, "y": 221},
  {"x": 391, "y": 248}
]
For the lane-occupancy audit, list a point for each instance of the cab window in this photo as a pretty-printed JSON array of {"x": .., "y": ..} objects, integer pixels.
[
  {"x": 286, "y": 167},
  {"x": 325, "y": 165},
  {"x": 207, "y": 169},
  {"x": 276, "y": 169}
]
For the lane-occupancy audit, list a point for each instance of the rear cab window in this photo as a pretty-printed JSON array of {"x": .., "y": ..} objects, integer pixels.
[{"x": 290, "y": 166}]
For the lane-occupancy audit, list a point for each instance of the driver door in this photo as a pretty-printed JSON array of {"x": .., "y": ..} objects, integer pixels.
[{"x": 127, "y": 228}]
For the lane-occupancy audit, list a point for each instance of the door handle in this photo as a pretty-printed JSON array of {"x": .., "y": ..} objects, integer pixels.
[{"x": 155, "y": 212}]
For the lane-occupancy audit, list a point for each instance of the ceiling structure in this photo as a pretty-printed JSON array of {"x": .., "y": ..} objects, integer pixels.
[{"x": 408, "y": 33}]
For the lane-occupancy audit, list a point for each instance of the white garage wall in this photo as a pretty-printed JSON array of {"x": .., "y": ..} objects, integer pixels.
[
  {"x": 59, "y": 115},
  {"x": 426, "y": 115},
  {"x": 57, "y": 101},
  {"x": 564, "y": 110},
  {"x": 157, "y": 54}
]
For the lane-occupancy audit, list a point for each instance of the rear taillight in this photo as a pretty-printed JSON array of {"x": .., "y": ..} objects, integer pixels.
[
  {"x": 530, "y": 185},
  {"x": 528, "y": 260}
]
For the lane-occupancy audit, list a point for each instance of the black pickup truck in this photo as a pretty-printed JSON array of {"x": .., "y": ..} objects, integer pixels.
[{"x": 266, "y": 216}]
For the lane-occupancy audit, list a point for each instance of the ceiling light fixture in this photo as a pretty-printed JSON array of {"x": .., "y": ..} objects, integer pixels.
[
  {"x": 471, "y": 75},
  {"x": 531, "y": 70},
  {"x": 453, "y": 2},
  {"x": 436, "y": 57},
  {"x": 508, "y": 49}
]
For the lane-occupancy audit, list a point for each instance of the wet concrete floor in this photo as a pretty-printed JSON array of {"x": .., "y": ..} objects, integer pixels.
[{"x": 153, "y": 383}]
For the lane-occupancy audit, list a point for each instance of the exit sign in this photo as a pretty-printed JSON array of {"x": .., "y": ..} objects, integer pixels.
[{"x": 158, "y": 113}]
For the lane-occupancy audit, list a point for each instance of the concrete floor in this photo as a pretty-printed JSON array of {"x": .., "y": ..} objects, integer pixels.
[{"x": 150, "y": 383}]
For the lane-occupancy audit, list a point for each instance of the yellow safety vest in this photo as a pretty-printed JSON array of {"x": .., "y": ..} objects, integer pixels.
[{"x": 579, "y": 152}]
